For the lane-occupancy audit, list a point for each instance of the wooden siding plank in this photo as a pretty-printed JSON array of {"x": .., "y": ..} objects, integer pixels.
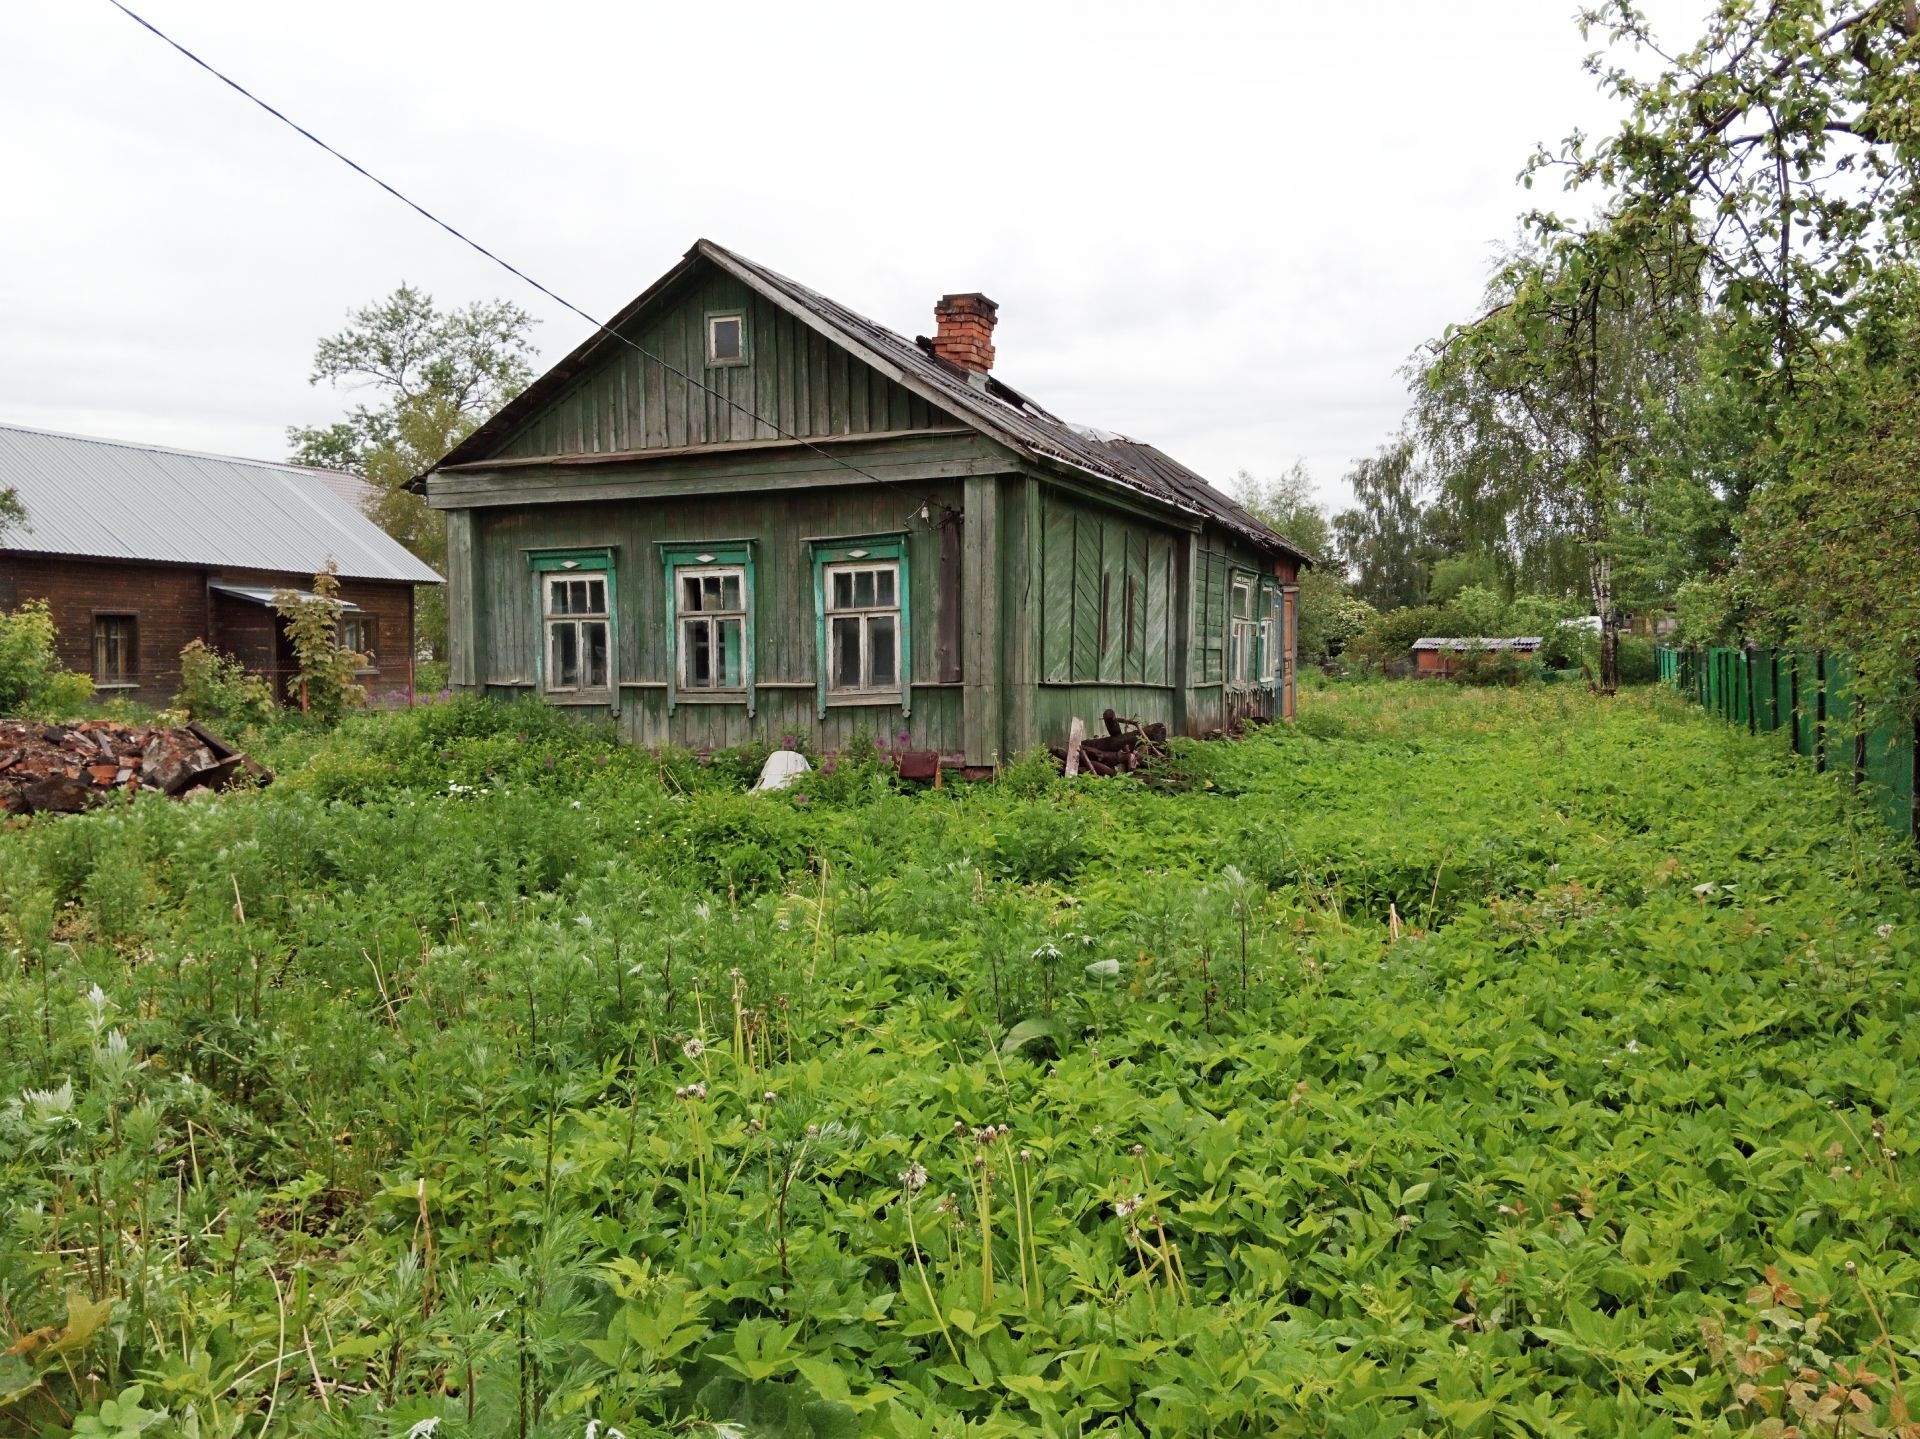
[
  {"x": 1056, "y": 588},
  {"x": 1086, "y": 597},
  {"x": 984, "y": 657}
]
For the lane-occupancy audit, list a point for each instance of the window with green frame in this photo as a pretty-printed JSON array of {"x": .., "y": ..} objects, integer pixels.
[
  {"x": 576, "y": 656},
  {"x": 709, "y": 623},
  {"x": 1241, "y": 627},
  {"x": 863, "y": 623},
  {"x": 1269, "y": 667}
]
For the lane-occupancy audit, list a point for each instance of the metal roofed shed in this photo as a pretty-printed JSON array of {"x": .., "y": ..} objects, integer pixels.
[
  {"x": 109, "y": 499},
  {"x": 140, "y": 550},
  {"x": 1438, "y": 656}
]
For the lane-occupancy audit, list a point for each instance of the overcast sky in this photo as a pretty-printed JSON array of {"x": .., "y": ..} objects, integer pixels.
[{"x": 1222, "y": 228}]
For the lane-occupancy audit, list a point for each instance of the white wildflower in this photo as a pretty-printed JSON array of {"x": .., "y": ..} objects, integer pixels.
[
  {"x": 1885, "y": 931},
  {"x": 914, "y": 1177},
  {"x": 1633, "y": 1046},
  {"x": 1125, "y": 1208},
  {"x": 694, "y": 1047},
  {"x": 1047, "y": 952}
]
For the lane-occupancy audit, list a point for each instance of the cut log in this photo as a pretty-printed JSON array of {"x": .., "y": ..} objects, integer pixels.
[{"x": 1076, "y": 739}]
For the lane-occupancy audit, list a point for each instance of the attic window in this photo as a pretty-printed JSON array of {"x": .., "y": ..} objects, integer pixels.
[{"x": 727, "y": 339}]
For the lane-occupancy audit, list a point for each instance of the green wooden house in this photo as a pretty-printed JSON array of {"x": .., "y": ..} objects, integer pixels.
[{"x": 743, "y": 510}]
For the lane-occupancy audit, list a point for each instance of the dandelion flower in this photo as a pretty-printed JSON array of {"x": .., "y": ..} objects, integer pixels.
[
  {"x": 1125, "y": 1208},
  {"x": 694, "y": 1047},
  {"x": 914, "y": 1177}
]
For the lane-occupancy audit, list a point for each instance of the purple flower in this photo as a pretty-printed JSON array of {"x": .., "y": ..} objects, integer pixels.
[
  {"x": 786, "y": 741},
  {"x": 803, "y": 799},
  {"x": 904, "y": 737},
  {"x": 829, "y": 765}
]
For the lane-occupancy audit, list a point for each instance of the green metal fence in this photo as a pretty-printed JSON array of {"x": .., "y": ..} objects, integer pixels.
[{"x": 1808, "y": 694}]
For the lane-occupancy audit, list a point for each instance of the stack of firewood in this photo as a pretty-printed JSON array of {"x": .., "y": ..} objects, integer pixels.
[{"x": 1126, "y": 746}]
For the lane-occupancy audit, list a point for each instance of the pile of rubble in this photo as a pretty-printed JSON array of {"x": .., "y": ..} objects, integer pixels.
[{"x": 62, "y": 769}]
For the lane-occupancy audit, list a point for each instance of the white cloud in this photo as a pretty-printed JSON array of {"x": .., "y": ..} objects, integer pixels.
[{"x": 1220, "y": 227}]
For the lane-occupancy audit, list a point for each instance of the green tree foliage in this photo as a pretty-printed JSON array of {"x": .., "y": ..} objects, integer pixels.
[
  {"x": 1830, "y": 548},
  {"x": 326, "y": 671},
  {"x": 1787, "y": 131},
  {"x": 12, "y": 512},
  {"x": 33, "y": 684},
  {"x": 435, "y": 376},
  {"x": 1544, "y": 415},
  {"x": 1386, "y": 537}
]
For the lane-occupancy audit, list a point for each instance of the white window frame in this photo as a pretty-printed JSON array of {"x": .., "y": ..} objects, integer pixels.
[
  {"x": 866, "y": 614},
  {"x": 716, "y": 319},
  {"x": 1270, "y": 640},
  {"x": 682, "y": 618},
  {"x": 1240, "y": 633},
  {"x": 550, "y": 622}
]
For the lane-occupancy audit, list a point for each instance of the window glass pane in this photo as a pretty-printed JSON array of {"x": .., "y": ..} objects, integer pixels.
[
  {"x": 724, "y": 339},
  {"x": 595, "y": 671},
  {"x": 690, "y": 593},
  {"x": 883, "y": 588},
  {"x": 730, "y": 592},
  {"x": 842, "y": 589},
  {"x": 563, "y": 664},
  {"x": 844, "y": 644},
  {"x": 556, "y": 597},
  {"x": 730, "y": 652},
  {"x": 880, "y": 652},
  {"x": 696, "y": 646},
  {"x": 863, "y": 589},
  {"x": 596, "y": 594}
]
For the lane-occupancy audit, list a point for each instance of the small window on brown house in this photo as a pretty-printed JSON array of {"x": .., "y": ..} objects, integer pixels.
[
  {"x": 113, "y": 651},
  {"x": 358, "y": 635}
]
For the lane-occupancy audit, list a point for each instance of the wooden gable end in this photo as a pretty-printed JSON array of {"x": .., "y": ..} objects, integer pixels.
[{"x": 795, "y": 382}]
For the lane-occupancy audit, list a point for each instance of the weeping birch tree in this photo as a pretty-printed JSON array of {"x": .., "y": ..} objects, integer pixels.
[{"x": 1546, "y": 413}]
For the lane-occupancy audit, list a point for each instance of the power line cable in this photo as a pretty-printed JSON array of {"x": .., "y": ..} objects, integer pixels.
[{"x": 475, "y": 245}]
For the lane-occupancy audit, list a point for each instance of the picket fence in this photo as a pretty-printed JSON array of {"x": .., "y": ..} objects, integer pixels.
[{"x": 1807, "y": 694}]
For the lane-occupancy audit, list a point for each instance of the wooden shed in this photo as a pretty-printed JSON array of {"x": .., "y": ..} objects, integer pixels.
[
  {"x": 1438, "y": 656},
  {"x": 745, "y": 511},
  {"x": 139, "y": 550}
]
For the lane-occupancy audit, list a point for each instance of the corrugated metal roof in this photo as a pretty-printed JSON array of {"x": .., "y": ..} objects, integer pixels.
[
  {"x": 980, "y": 400},
  {"x": 109, "y": 499},
  {"x": 1447, "y": 642}
]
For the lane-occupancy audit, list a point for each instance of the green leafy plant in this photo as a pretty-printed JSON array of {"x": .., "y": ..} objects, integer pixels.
[
  {"x": 219, "y": 691},
  {"x": 33, "y": 684}
]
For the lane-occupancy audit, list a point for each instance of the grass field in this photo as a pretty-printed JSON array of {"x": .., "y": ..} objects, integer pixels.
[{"x": 1454, "y": 1063}]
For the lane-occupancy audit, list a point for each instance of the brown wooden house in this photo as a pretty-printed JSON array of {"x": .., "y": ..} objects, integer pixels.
[
  {"x": 139, "y": 550},
  {"x": 746, "y": 510}
]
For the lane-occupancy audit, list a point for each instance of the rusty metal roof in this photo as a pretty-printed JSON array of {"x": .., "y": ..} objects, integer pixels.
[
  {"x": 113, "y": 500},
  {"x": 981, "y": 400}
]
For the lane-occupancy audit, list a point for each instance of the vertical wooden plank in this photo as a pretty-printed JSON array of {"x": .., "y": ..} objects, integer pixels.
[
  {"x": 1020, "y": 610},
  {"x": 949, "y": 643},
  {"x": 1182, "y": 599},
  {"x": 1056, "y": 588},
  {"x": 1086, "y": 597},
  {"x": 1153, "y": 655},
  {"x": 983, "y": 658},
  {"x": 464, "y": 601}
]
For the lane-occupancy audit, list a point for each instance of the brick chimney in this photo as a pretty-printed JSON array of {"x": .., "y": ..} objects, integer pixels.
[{"x": 965, "y": 335}]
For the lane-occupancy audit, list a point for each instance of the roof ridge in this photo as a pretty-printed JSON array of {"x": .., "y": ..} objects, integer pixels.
[{"x": 289, "y": 465}]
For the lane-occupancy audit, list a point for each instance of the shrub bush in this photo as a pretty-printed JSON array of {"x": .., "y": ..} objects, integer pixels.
[
  {"x": 218, "y": 691},
  {"x": 32, "y": 683}
]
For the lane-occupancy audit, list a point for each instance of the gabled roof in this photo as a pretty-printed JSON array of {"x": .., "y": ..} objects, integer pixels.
[
  {"x": 112, "y": 500},
  {"x": 988, "y": 404}
]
